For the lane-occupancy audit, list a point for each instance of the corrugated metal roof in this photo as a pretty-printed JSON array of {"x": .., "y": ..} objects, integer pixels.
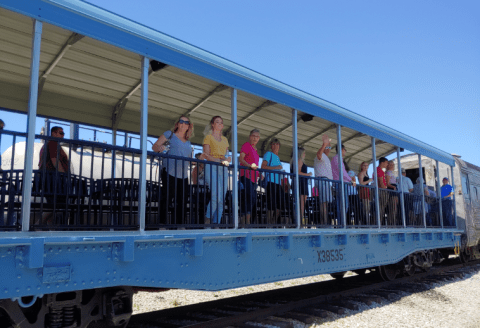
[{"x": 93, "y": 76}]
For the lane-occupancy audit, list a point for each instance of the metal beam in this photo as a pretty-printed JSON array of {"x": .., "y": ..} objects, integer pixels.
[
  {"x": 319, "y": 134},
  {"x": 74, "y": 38},
  {"x": 217, "y": 89},
  {"x": 142, "y": 176},
  {"x": 377, "y": 142},
  {"x": 285, "y": 128},
  {"x": 255, "y": 111},
  {"x": 356, "y": 135},
  {"x": 234, "y": 157},
  {"x": 31, "y": 118},
  {"x": 119, "y": 108},
  {"x": 388, "y": 152}
]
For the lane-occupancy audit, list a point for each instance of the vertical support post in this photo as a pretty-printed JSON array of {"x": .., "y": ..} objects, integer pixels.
[
  {"x": 439, "y": 195},
  {"x": 47, "y": 127},
  {"x": 296, "y": 194},
  {"x": 74, "y": 131},
  {"x": 114, "y": 155},
  {"x": 234, "y": 157},
  {"x": 32, "y": 114},
  {"x": 143, "y": 143},
  {"x": 374, "y": 161},
  {"x": 420, "y": 172},
  {"x": 454, "y": 198},
  {"x": 340, "y": 175},
  {"x": 125, "y": 144},
  {"x": 402, "y": 192}
]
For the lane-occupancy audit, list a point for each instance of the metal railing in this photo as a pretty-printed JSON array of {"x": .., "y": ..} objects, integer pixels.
[{"x": 91, "y": 185}]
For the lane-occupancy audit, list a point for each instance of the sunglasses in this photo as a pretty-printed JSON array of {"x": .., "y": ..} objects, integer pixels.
[
  {"x": 61, "y": 133},
  {"x": 183, "y": 122}
]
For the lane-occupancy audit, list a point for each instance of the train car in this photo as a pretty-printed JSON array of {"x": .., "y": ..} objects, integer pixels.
[
  {"x": 467, "y": 189},
  {"x": 74, "y": 244}
]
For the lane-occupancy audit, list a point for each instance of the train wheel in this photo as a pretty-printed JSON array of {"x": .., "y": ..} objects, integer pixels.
[
  {"x": 388, "y": 272},
  {"x": 464, "y": 257},
  {"x": 338, "y": 275},
  {"x": 410, "y": 271}
]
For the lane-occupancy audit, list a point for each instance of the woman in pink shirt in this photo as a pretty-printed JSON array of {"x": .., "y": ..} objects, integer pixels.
[{"x": 249, "y": 158}]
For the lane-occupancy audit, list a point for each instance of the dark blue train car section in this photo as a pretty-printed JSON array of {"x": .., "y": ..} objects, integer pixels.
[{"x": 84, "y": 223}]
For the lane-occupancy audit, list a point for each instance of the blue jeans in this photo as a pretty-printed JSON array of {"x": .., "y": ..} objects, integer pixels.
[
  {"x": 216, "y": 177},
  {"x": 248, "y": 196}
]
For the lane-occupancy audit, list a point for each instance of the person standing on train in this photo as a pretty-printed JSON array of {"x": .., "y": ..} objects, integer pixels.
[
  {"x": 446, "y": 194},
  {"x": 53, "y": 158},
  {"x": 364, "y": 192},
  {"x": 417, "y": 203},
  {"x": 407, "y": 184},
  {"x": 249, "y": 158},
  {"x": 215, "y": 149},
  {"x": 336, "y": 174},
  {"x": 303, "y": 181},
  {"x": 276, "y": 198},
  {"x": 392, "y": 198},
  {"x": 382, "y": 184},
  {"x": 175, "y": 172},
  {"x": 323, "y": 170}
]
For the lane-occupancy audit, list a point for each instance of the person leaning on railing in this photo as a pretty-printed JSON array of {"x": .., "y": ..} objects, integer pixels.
[
  {"x": 215, "y": 149},
  {"x": 175, "y": 172},
  {"x": 249, "y": 158},
  {"x": 276, "y": 198}
]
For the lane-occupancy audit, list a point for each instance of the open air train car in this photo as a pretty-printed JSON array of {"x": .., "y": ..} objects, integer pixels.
[{"x": 112, "y": 229}]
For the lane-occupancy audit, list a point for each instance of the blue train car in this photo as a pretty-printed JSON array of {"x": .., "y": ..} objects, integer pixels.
[{"x": 80, "y": 232}]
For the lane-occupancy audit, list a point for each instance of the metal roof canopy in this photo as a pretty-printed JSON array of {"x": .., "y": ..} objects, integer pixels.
[{"x": 94, "y": 80}]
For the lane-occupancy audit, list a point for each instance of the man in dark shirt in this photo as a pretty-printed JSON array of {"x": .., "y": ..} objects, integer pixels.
[{"x": 53, "y": 158}]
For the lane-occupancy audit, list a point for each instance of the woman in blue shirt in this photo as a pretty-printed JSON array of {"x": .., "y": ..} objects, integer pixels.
[{"x": 175, "y": 171}]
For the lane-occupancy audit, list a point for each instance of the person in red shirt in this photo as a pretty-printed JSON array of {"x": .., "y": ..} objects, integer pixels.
[
  {"x": 382, "y": 184},
  {"x": 53, "y": 158},
  {"x": 249, "y": 158}
]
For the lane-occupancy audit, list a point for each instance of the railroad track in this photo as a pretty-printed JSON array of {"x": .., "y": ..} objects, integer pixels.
[{"x": 303, "y": 303}]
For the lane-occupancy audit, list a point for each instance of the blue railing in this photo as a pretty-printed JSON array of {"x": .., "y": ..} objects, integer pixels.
[{"x": 100, "y": 190}]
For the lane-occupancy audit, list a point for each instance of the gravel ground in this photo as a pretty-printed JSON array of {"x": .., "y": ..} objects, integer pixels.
[{"x": 447, "y": 304}]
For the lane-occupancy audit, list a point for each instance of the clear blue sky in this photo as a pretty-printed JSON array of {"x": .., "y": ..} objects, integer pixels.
[{"x": 411, "y": 65}]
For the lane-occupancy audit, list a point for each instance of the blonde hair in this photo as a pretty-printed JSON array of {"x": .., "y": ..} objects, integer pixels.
[
  {"x": 189, "y": 133},
  {"x": 300, "y": 151},
  {"x": 361, "y": 164}
]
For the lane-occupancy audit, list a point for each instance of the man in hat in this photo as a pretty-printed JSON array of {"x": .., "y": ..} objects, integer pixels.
[{"x": 447, "y": 193}]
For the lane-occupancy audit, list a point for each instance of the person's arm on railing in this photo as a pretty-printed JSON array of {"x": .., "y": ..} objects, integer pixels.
[
  {"x": 159, "y": 146},
  {"x": 300, "y": 164},
  {"x": 265, "y": 164},
  {"x": 361, "y": 175},
  {"x": 208, "y": 157}
]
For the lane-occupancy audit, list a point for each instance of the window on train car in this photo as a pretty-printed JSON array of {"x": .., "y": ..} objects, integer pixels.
[
  {"x": 465, "y": 185},
  {"x": 475, "y": 193}
]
